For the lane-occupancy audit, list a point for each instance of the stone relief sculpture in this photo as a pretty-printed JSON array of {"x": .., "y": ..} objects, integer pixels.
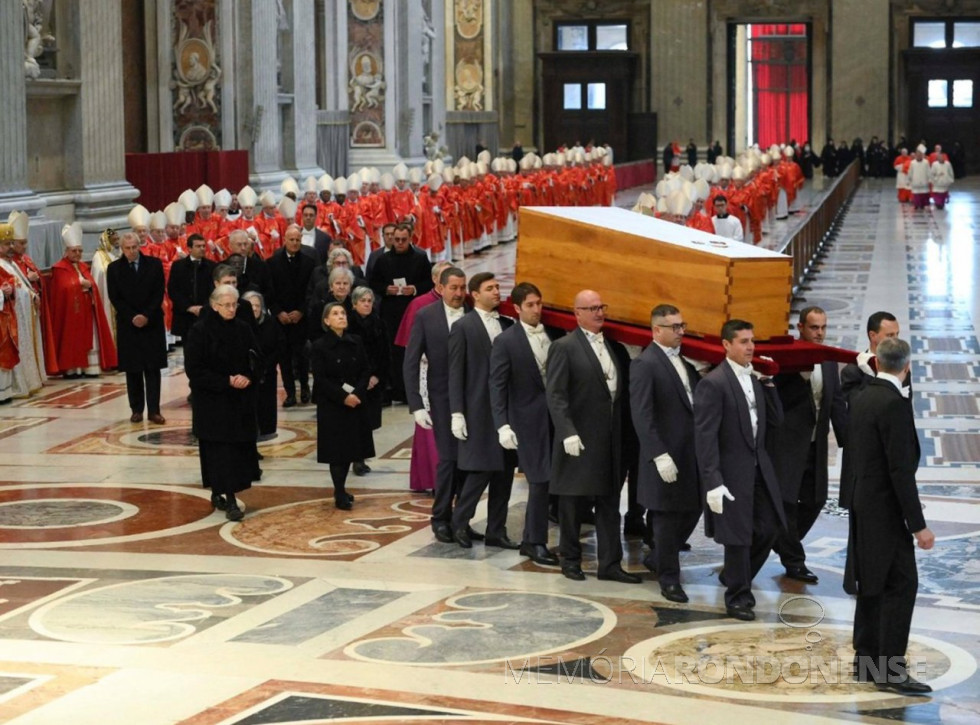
[
  {"x": 432, "y": 149},
  {"x": 469, "y": 86},
  {"x": 196, "y": 71},
  {"x": 367, "y": 84},
  {"x": 34, "y": 37}
]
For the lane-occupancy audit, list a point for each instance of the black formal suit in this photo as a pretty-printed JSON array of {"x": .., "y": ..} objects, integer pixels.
[
  {"x": 798, "y": 449},
  {"x": 430, "y": 337},
  {"x": 663, "y": 416},
  {"x": 517, "y": 399},
  {"x": 486, "y": 463},
  {"x": 142, "y": 350},
  {"x": 190, "y": 284},
  {"x": 372, "y": 260},
  {"x": 885, "y": 511},
  {"x": 581, "y": 404},
  {"x": 290, "y": 276},
  {"x": 728, "y": 454},
  {"x": 630, "y": 455},
  {"x": 320, "y": 249},
  {"x": 255, "y": 277}
]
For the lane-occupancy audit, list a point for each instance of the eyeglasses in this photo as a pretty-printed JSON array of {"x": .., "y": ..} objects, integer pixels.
[
  {"x": 677, "y": 328},
  {"x": 594, "y": 309}
]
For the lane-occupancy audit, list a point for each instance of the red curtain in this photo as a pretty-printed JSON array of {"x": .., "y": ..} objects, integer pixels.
[{"x": 779, "y": 80}]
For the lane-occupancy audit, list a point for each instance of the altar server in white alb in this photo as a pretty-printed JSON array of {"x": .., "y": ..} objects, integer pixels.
[{"x": 726, "y": 225}]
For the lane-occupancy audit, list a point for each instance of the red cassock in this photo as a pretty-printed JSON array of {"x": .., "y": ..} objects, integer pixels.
[
  {"x": 270, "y": 229},
  {"x": 211, "y": 230},
  {"x": 700, "y": 220},
  {"x": 378, "y": 214},
  {"x": 9, "y": 345},
  {"x": 403, "y": 204},
  {"x": 70, "y": 313},
  {"x": 27, "y": 266},
  {"x": 353, "y": 227},
  {"x": 433, "y": 223},
  {"x": 166, "y": 252}
]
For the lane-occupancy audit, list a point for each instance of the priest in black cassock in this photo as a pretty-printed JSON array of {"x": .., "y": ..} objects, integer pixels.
[{"x": 397, "y": 278}]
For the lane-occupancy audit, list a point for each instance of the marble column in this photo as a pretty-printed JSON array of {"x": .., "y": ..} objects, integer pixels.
[
  {"x": 258, "y": 92},
  {"x": 299, "y": 77},
  {"x": 14, "y": 191},
  {"x": 102, "y": 197}
]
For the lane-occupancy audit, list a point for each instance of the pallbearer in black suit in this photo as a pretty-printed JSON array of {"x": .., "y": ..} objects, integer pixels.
[
  {"x": 520, "y": 412},
  {"x": 289, "y": 272},
  {"x": 662, "y": 386},
  {"x": 480, "y": 454},
  {"x": 430, "y": 337},
  {"x": 190, "y": 286},
  {"x": 854, "y": 377},
  {"x": 811, "y": 400},
  {"x": 732, "y": 411},
  {"x": 584, "y": 401},
  {"x": 136, "y": 291},
  {"x": 885, "y": 514}
]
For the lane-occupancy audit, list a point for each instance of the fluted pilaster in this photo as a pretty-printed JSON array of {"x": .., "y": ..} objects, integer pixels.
[
  {"x": 13, "y": 129},
  {"x": 265, "y": 92}
]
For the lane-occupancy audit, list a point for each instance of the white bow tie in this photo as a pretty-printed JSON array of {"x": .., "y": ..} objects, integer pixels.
[
  {"x": 539, "y": 330},
  {"x": 453, "y": 312},
  {"x": 673, "y": 352},
  {"x": 493, "y": 314},
  {"x": 595, "y": 338}
]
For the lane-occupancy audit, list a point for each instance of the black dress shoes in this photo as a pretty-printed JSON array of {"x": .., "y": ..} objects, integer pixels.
[
  {"x": 289, "y": 402},
  {"x": 674, "y": 593},
  {"x": 618, "y": 575},
  {"x": 801, "y": 574},
  {"x": 219, "y": 502},
  {"x": 304, "y": 396},
  {"x": 907, "y": 685},
  {"x": 573, "y": 572},
  {"x": 443, "y": 533},
  {"x": 462, "y": 537},
  {"x": 539, "y": 554},
  {"x": 474, "y": 535},
  {"x": 361, "y": 468},
  {"x": 742, "y": 612},
  {"x": 650, "y": 561},
  {"x": 503, "y": 542},
  {"x": 343, "y": 502},
  {"x": 233, "y": 513},
  {"x": 136, "y": 418},
  {"x": 684, "y": 547}
]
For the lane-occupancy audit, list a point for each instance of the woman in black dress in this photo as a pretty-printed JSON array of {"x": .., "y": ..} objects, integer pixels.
[
  {"x": 368, "y": 325},
  {"x": 341, "y": 372},
  {"x": 269, "y": 335},
  {"x": 220, "y": 356}
]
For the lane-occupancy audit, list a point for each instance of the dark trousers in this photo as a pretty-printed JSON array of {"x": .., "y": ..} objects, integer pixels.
[
  {"x": 449, "y": 481},
  {"x": 670, "y": 530},
  {"x": 571, "y": 509},
  {"x": 475, "y": 483},
  {"x": 294, "y": 362},
  {"x": 631, "y": 462},
  {"x": 800, "y": 516},
  {"x": 536, "y": 514},
  {"x": 143, "y": 389},
  {"x": 882, "y": 621},
  {"x": 742, "y": 563}
]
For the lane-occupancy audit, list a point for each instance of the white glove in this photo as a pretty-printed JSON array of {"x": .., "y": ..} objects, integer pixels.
[
  {"x": 507, "y": 437},
  {"x": 573, "y": 446},
  {"x": 864, "y": 362},
  {"x": 436, "y": 210},
  {"x": 760, "y": 375},
  {"x": 716, "y": 498},
  {"x": 422, "y": 418},
  {"x": 459, "y": 426},
  {"x": 666, "y": 467},
  {"x": 274, "y": 234}
]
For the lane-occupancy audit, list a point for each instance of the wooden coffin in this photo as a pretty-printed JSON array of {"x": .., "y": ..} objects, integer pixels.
[{"x": 636, "y": 262}]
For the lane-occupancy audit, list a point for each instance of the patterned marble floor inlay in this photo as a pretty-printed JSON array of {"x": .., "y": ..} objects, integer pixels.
[{"x": 125, "y": 597}]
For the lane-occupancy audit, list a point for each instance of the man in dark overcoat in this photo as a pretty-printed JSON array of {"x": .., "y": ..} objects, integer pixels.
[
  {"x": 190, "y": 286},
  {"x": 480, "y": 454},
  {"x": 430, "y": 337},
  {"x": 662, "y": 386},
  {"x": 732, "y": 411},
  {"x": 136, "y": 292},
  {"x": 811, "y": 400},
  {"x": 885, "y": 516},
  {"x": 519, "y": 406},
  {"x": 290, "y": 271},
  {"x": 584, "y": 401}
]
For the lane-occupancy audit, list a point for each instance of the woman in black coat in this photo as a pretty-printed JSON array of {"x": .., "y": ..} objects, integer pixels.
[
  {"x": 220, "y": 357},
  {"x": 368, "y": 325},
  {"x": 270, "y": 337},
  {"x": 335, "y": 287},
  {"x": 828, "y": 159},
  {"x": 341, "y": 372}
]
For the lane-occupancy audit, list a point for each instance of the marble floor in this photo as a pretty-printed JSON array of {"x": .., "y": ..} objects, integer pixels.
[{"x": 125, "y": 599}]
